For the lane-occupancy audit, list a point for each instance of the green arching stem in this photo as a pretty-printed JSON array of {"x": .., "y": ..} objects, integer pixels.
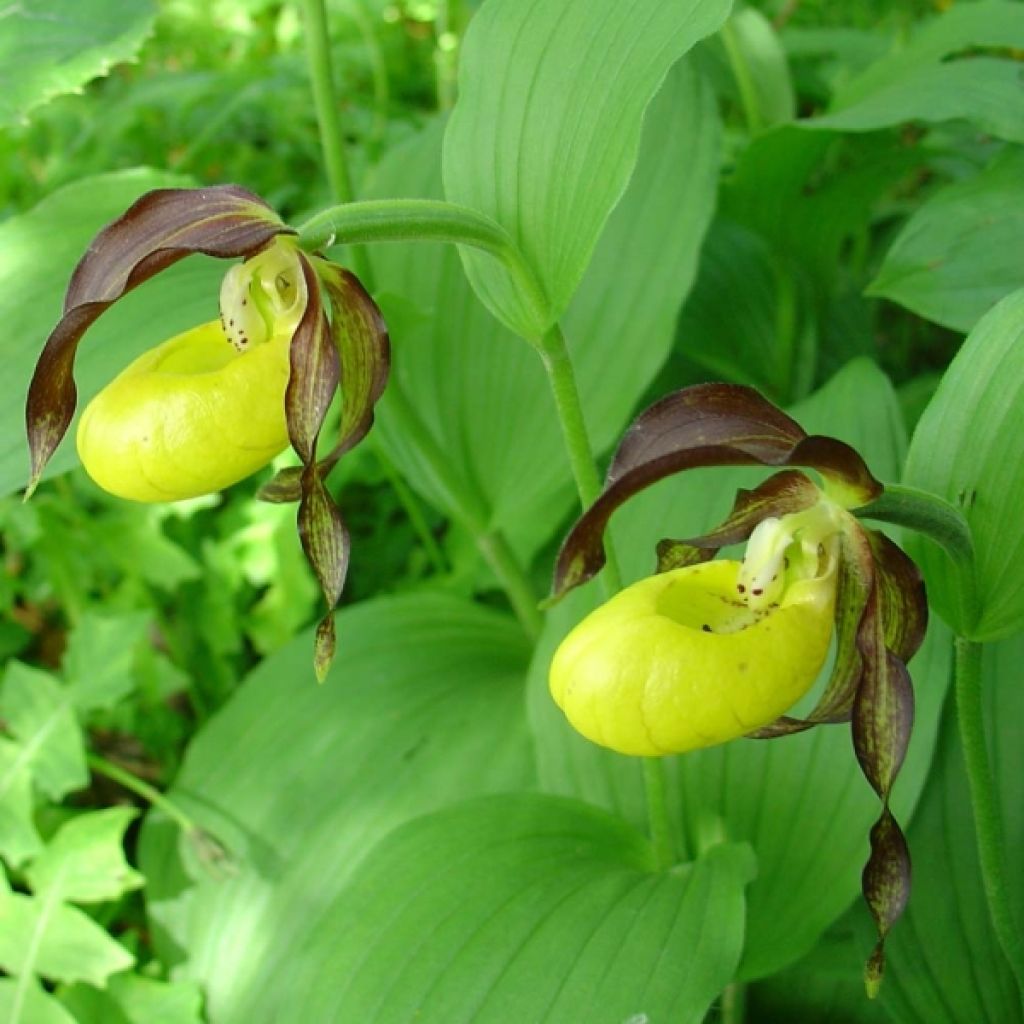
[
  {"x": 988, "y": 818},
  {"x": 937, "y": 519},
  {"x": 152, "y": 795},
  {"x": 332, "y": 139},
  {"x": 425, "y": 220}
]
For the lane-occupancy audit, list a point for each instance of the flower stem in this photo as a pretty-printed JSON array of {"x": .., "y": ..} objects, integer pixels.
[
  {"x": 938, "y": 520},
  {"x": 657, "y": 812},
  {"x": 562, "y": 379},
  {"x": 988, "y": 820},
  {"x": 153, "y": 796},
  {"x": 741, "y": 75},
  {"x": 332, "y": 138},
  {"x": 424, "y": 220}
]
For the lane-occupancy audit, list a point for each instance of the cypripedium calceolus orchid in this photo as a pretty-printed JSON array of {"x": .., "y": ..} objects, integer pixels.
[
  {"x": 708, "y": 651},
  {"x": 211, "y": 406}
]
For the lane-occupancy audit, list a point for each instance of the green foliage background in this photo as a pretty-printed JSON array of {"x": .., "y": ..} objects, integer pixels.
[{"x": 818, "y": 200}]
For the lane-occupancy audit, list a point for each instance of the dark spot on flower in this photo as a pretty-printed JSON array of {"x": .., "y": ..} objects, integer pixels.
[
  {"x": 757, "y": 591},
  {"x": 742, "y": 666},
  {"x": 706, "y": 628},
  {"x": 742, "y": 589}
]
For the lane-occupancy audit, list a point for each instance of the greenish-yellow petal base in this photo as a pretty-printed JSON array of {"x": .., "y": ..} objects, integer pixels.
[
  {"x": 679, "y": 661},
  {"x": 188, "y": 417}
]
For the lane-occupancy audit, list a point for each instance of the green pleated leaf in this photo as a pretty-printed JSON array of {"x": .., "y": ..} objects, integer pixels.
[
  {"x": 301, "y": 782},
  {"x": 945, "y": 963},
  {"x": 24, "y": 1000},
  {"x": 965, "y": 448},
  {"x": 943, "y": 73},
  {"x": 482, "y": 395},
  {"x": 755, "y": 53},
  {"x": 545, "y": 132},
  {"x": 40, "y": 717},
  {"x": 801, "y": 801},
  {"x": 43, "y": 936},
  {"x": 525, "y": 908},
  {"x": 954, "y": 258},
  {"x": 38, "y": 252},
  {"x": 51, "y": 47}
]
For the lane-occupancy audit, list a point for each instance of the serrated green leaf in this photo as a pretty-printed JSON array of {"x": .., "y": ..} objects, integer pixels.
[
  {"x": 425, "y": 708},
  {"x": 99, "y": 663},
  {"x": 956, "y": 255},
  {"x": 24, "y": 1001},
  {"x": 19, "y": 838},
  {"x": 546, "y": 129},
  {"x": 526, "y": 908},
  {"x": 84, "y": 862},
  {"x": 967, "y": 447},
  {"x": 51, "y": 47},
  {"x": 945, "y": 963},
  {"x": 38, "y": 251},
  {"x": 800, "y": 801},
  {"x": 484, "y": 396},
  {"x": 940, "y": 75},
  {"x": 131, "y": 998},
  {"x": 40, "y": 716},
  {"x": 42, "y": 936}
]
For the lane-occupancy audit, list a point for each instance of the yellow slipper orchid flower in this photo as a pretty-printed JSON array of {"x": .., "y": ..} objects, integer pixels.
[{"x": 679, "y": 661}]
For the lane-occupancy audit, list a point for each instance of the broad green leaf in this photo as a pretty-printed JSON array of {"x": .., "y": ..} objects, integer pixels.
[
  {"x": 956, "y": 255},
  {"x": 941, "y": 75},
  {"x": 26, "y": 1001},
  {"x": 131, "y": 998},
  {"x": 945, "y": 964},
  {"x": 40, "y": 716},
  {"x": 524, "y": 908},
  {"x": 967, "y": 447},
  {"x": 38, "y": 251},
  {"x": 99, "y": 663},
  {"x": 800, "y": 801},
  {"x": 51, "y": 47},
  {"x": 546, "y": 129},
  {"x": 19, "y": 838},
  {"x": 482, "y": 395},
  {"x": 84, "y": 862},
  {"x": 42, "y": 936},
  {"x": 300, "y": 781}
]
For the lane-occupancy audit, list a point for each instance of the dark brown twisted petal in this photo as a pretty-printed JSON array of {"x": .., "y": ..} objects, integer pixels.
[
  {"x": 361, "y": 339},
  {"x": 705, "y": 425},
  {"x": 781, "y": 494},
  {"x": 883, "y": 715},
  {"x": 856, "y": 578},
  {"x": 157, "y": 230},
  {"x": 902, "y": 599},
  {"x": 311, "y": 386}
]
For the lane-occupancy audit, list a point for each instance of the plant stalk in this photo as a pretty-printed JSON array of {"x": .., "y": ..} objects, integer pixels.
[
  {"x": 657, "y": 812},
  {"x": 141, "y": 788},
  {"x": 988, "y": 818},
  {"x": 332, "y": 138}
]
